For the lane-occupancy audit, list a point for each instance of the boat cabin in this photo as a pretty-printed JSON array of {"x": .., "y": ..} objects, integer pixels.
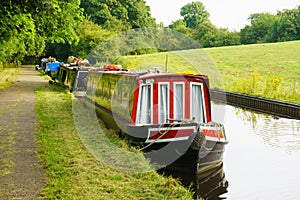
[
  {"x": 144, "y": 98},
  {"x": 165, "y": 98}
]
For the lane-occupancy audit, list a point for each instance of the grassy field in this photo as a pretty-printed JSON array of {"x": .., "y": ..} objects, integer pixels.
[
  {"x": 74, "y": 173},
  {"x": 267, "y": 70},
  {"x": 7, "y": 76}
]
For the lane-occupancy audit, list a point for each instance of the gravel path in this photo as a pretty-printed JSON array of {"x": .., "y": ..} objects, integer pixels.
[{"x": 21, "y": 174}]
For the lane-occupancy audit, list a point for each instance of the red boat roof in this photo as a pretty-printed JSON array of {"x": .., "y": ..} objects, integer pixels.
[
  {"x": 148, "y": 74},
  {"x": 156, "y": 75}
]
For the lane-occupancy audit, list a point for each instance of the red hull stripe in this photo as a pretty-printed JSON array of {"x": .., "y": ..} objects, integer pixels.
[
  {"x": 170, "y": 134},
  {"x": 165, "y": 135}
]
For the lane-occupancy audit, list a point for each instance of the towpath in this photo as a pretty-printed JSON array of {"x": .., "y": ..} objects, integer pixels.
[{"x": 21, "y": 174}]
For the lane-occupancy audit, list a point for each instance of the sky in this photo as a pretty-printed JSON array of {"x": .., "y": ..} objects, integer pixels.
[{"x": 232, "y": 14}]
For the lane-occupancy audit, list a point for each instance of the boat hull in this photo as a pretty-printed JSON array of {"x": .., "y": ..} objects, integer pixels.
[{"x": 177, "y": 155}]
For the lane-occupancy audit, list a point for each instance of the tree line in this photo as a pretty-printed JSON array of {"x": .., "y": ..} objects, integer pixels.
[
  {"x": 73, "y": 27},
  {"x": 64, "y": 27},
  {"x": 264, "y": 27}
]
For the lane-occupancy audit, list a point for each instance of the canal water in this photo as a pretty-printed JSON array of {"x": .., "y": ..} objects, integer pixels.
[{"x": 262, "y": 158}]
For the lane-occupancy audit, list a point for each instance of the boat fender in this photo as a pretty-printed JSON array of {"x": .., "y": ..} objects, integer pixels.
[{"x": 197, "y": 140}]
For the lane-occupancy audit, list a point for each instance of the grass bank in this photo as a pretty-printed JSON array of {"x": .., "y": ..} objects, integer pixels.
[
  {"x": 267, "y": 70},
  {"x": 7, "y": 76},
  {"x": 73, "y": 173}
]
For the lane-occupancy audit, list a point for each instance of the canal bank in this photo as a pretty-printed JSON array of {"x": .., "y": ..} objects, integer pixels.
[{"x": 259, "y": 104}]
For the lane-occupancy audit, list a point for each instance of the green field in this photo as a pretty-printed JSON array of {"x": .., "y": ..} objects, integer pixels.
[{"x": 268, "y": 70}]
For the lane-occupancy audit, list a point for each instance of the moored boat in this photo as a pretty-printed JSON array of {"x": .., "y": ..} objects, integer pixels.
[
  {"x": 74, "y": 75},
  {"x": 167, "y": 115},
  {"x": 50, "y": 66}
]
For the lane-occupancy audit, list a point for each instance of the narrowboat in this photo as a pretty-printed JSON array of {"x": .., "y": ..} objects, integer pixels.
[
  {"x": 50, "y": 66},
  {"x": 167, "y": 115},
  {"x": 42, "y": 65},
  {"x": 74, "y": 76}
]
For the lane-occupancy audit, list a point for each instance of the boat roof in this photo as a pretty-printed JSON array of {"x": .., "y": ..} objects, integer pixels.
[
  {"x": 71, "y": 67},
  {"x": 143, "y": 74},
  {"x": 156, "y": 75}
]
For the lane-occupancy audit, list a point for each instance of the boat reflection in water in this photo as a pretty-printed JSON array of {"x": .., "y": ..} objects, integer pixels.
[
  {"x": 211, "y": 182},
  {"x": 208, "y": 183}
]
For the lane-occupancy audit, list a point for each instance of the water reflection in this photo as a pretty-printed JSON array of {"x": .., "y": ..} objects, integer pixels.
[
  {"x": 261, "y": 160},
  {"x": 209, "y": 183},
  {"x": 277, "y": 132}
]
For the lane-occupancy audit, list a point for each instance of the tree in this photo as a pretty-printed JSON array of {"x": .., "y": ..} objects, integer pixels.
[
  {"x": 180, "y": 26},
  {"x": 194, "y": 14},
  {"x": 288, "y": 25},
  {"x": 257, "y": 32},
  {"x": 18, "y": 35},
  {"x": 90, "y": 35},
  {"x": 211, "y": 36},
  {"x": 119, "y": 14},
  {"x": 138, "y": 13},
  {"x": 27, "y": 26}
]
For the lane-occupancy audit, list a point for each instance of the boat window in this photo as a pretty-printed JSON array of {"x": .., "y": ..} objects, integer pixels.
[
  {"x": 178, "y": 103},
  {"x": 163, "y": 102},
  {"x": 197, "y": 111},
  {"x": 144, "y": 111}
]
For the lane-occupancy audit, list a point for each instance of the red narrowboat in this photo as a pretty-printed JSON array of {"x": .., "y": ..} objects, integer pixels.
[{"x": 167, "y": 115}]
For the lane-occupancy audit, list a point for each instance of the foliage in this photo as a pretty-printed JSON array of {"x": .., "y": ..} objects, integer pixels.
[
  {"x": 118, "y": 15},
  {"x": 257, "y": 85},
  {"x": 18, "y": 37},
  {"x": 103, "y": 20},
  {"x": 194, "y": 14},
  {"x": 266, "y": 27},
  {"x": 268, "y": 86},
  {"x": 26, "y": 26},
  {"x": 57, "y": 28},
  {"x": 140, "y": 41},
  {"x": 288, "y": 25},
  {"x": 90, "y": 35},
  {"x": 210, "y": 36},
  {"x": 196, "y": 24},
  {"x": 261, "y": 23},
  {"x": 60, "y": 23},
  {"x": 180, "y": 26}
]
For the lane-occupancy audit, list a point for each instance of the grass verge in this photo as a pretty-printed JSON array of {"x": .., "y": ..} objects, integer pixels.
[
  {"x": 7, "y": 76},
  {"x": 73, "y": 173}
]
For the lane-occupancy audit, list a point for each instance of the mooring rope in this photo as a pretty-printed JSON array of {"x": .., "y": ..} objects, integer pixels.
[{"x": 162, "y": 134}]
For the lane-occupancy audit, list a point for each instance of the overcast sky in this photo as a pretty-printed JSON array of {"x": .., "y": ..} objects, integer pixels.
[{"x": 232, "y": 14}]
